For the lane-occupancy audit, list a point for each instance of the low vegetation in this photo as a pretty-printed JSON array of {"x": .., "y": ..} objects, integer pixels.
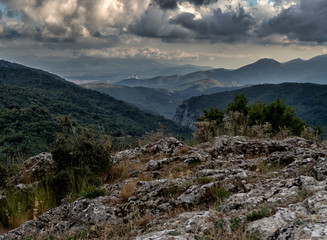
[
  {"x": 83, "y": 160},
  {"x": 275, "y": 119}
]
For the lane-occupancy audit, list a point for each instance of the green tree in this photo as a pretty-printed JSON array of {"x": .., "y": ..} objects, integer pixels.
[
  {"x": 238, "y": 105},
  {"x": 214, "y": 114},
  {"x": 256, "y": 113},
  {"x": 282, "y": 116}
]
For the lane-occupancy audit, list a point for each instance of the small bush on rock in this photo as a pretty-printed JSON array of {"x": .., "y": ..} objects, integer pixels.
[
  {"x": 93, "y": 192},
  {"x": 259, "y": 214}
]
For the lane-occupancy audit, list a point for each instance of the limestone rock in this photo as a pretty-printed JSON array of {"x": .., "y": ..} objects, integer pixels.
[{"x": 38, "y": 166}]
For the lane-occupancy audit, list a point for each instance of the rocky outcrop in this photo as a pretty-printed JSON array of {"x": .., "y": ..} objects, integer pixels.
[
  {"x": 38, "y": 166},
  {"x": 232, "y": 188},
  {"x": 185, "y": 117}
]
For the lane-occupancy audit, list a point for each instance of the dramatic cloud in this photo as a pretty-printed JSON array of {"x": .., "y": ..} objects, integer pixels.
[
  {"x": 173, "y": 4},
  {"x": 305, "y": 22},
  {"x": 229, "y": 21},
  {"x": 228, "y": 26},
  {"x": 155, "y": 24},
  {"x": 72, "y": 20},
  {"x": 98, "y": 25}
]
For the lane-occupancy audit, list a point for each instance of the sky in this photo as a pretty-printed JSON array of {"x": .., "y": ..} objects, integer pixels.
[{"x": 217, "y": 33}]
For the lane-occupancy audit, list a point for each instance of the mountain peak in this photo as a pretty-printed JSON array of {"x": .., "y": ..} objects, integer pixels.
[
  {"x": 266, "y": 61},
  {"x": 294, "y": 61}
]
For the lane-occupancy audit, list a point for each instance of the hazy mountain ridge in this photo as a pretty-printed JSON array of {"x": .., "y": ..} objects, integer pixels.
[
  {"x": 97, "y": 69},
  {"x": 160, "y": 101},
  {"x": 262, "y": 71},
  {"x": 308, "y": 100}
]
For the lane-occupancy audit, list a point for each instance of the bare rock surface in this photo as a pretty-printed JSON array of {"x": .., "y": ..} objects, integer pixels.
[{"x": 232, "y": 188}]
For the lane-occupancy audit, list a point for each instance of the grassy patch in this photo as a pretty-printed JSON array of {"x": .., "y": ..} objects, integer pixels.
[
  {"x": 119, "y": 172},
  {"x": 204, "y": 180},
  {"x": 219, "y": 193},
  {"x": 259, "y": 214},
  {"x": 174, "y": 233},
  {"x": 235, "y": 224}
]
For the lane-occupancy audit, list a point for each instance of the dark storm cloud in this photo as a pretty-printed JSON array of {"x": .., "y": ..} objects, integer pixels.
[
  {"x": 0, "y": 14},
  {"x": 220, "y": 26},
  {"x": 155, "y": 24},
  {"x": 225, "y": 27},
  {"x": 306, "y": 22},
  {"x": 166, "y": 4},
  {"x": 172, "y": 4},
  {"x": 202, "y": 2}
]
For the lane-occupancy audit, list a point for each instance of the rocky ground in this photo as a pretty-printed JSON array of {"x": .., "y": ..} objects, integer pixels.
[{"x": 232, "y": 188}]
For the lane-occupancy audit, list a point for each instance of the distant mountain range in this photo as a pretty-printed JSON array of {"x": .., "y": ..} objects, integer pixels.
[
  {"x": 98, "y": 70},
  {"x": 32, "y": 99},
  {"x": 308, "y": 100},
  {"x": 163, "y": 94},
  {"x": 262, "y": 71}
]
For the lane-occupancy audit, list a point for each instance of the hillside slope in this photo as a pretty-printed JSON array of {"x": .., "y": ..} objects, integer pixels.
[
  {"x": 24, "y": 88},
  {"x": 308, "y": 100},
  {"x": 160, "y": 101}
]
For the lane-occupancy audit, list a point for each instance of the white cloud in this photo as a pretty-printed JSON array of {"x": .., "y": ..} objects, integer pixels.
[{"x": 139, "y": 52}]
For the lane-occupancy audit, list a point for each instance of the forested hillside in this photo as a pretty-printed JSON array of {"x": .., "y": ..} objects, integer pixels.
[{"x": 31, "y": 100}]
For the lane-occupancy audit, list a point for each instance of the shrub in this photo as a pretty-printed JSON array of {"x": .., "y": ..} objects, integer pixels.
[
  {"x": 93, "y": 192},
  {"x": 205, "y": 131},
  {"x": 3, "y": 176},
  {"x": 81, "y": 156},
  {"x": 83, "y": 151}
]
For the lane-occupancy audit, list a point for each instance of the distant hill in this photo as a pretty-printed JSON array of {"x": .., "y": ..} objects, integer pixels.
[
  {"x": 31, "y": 99},
  {"x": 160, "y": 101},
  {"x": 262, "y": 71},
  {"x": 308, "y": 100}
]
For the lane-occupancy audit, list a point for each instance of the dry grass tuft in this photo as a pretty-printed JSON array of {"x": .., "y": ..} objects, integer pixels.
[
  {"x": 183, "y": 150},
  {"x": 119, "y": 172},
  {"x": 126, "y": 191}
]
